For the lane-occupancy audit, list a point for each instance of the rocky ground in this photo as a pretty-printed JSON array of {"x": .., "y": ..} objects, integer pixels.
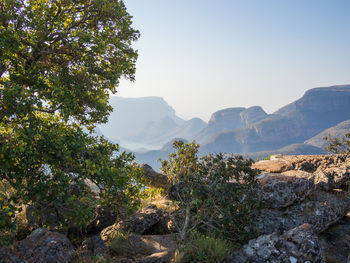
[{"x": 305, "y": 219}]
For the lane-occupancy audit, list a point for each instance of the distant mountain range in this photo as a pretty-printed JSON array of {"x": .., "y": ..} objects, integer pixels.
[{"x": 297, "y": 128}]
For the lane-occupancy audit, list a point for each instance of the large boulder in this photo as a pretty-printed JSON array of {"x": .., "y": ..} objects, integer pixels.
[
  {"x": 296, "y": 245},
  {"x": 320, "y": 210},
  {"x": 333, "y": 176},
  {"x": 153, "y": 178},
  {"x": 282, "y": 190},
  {"x": 150, "y": 219},
  {"x": 41, "y": 246},
  {"x": 329, "y": 171}
]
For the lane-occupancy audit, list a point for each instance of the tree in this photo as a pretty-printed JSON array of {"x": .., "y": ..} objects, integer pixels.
[{"x": 59, "y": 61}]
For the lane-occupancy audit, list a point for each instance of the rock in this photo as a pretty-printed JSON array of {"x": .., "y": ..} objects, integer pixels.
[
  {"x": 104, "y": 217},
  {"x": 333, "y": 176},
  {"x": 335, "y": 241},
  {"x": 296, "y": 245},
  {"x": 307, "y": 163},
  {"x": 39, "y": 247},
  {"x": 94, "y": 246},
  {"x": 273, "y": 166},
  {"x": 144, "y": 221},
  {"x": 283, "y": 190},
  {"x": 320, "y": 209},
  {"x": 153, "y": 178},
  {"x": 147, "y": 249},
  {"x": 147, "y": 244},
  {"x": 160, "y": 257}
]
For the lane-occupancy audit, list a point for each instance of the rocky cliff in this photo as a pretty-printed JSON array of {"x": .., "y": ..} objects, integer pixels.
[
  {"x": 317, "y": 110},
  {"x": 229, "y": 119}
]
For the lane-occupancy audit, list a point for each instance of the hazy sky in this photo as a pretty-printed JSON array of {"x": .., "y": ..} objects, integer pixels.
[{"x": 202, "y": 56}]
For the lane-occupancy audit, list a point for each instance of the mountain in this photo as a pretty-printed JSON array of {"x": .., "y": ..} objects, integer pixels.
[
  {"x": 131, "y": 115},
  {"x": 155, "y": 130},
  {"x": 317, "y": 110},
  {"x": 336, "y": 131},
  {"x": 185, "y": 131},
  {"x": 229, "y": 119}
]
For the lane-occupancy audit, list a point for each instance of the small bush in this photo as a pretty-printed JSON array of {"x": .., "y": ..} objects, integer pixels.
[
  {"x": 215, "y": 194},
  {"x": 205, "y": 249}
]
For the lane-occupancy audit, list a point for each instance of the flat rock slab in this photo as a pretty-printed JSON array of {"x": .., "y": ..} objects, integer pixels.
[{"x": 145, "y": 249}]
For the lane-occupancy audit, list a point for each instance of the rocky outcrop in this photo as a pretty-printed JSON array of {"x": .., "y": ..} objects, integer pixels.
[
  {"x": 283, "y": 190},
  {"x": 320, "y": 210},
  {"x": 148, "y": 220},
  {"x": 302, "y": 189},
  {"x": 299, "y": 244},
  {"x": 41, "y": 246},
  {"x": 329, "y": 171}
]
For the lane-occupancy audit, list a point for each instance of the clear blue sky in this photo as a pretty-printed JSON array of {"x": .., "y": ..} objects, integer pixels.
[{"x": 202, "y": 55}]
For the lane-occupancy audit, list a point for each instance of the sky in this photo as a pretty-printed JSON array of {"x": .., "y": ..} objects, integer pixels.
[{"x": 202, "y": 56}]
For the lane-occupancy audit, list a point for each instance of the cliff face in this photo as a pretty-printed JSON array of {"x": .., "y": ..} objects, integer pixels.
[
  {"x": 230, "y": 119},
  {"x": 318, "y": 109}
]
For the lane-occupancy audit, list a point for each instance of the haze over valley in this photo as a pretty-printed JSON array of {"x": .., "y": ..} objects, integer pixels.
[{"x": 147, "y": 126}]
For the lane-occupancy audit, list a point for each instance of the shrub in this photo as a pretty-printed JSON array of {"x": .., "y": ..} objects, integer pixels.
[{"x": 215, "y": 194}]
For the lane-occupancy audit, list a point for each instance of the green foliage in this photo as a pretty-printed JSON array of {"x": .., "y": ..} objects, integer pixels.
[
  {"x": 59, "y": 61},
  {"x": 207, "y": 249},
  {"x": 7, "y": 216},
  {"x": 338, "y": 145},
  {"x": 215, "y": 194}
]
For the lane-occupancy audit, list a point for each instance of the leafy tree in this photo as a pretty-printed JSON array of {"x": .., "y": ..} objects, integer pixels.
[
  {"x": 215, "y": 194},
  {"x": 59, "y": 61},
  {"x": 338, "y": 145}
]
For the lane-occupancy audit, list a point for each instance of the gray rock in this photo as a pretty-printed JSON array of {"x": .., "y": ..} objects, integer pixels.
[
  {"x": 320, "y": 210},
  {"x": 282, "y": 190},
  {"x": 94, "y": 246},
  {"x": 296, "y": 245},
  {"x": 41, "y": 246}
]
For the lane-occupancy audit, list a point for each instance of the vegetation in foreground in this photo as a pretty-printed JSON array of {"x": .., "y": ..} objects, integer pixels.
[
  {"x": 59, "y": 61},
  {"x": 215, "y": 198}
]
